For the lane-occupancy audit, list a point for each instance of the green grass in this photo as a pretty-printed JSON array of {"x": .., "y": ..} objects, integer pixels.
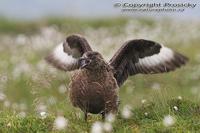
[
  {"x": 187, "y": 120},
  {"x": 64, "y": 24},
  {"x": 37, "y": 84}
]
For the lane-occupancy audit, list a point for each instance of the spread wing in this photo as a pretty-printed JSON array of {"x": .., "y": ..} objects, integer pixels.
[
  {"x": 145, "y": 57},
  {"x": 66, "y": 55}
]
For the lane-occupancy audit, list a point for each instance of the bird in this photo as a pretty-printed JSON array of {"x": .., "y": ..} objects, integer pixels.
[{"x": 95, "y": 82}]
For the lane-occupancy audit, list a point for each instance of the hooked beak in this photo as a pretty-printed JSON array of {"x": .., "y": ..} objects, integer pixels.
[{"x": 84, "y": 62}]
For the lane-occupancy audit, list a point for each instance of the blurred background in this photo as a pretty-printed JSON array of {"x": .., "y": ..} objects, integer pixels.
[
  {"x": 30, "y": 29},
  {"x": 36, "y": 9}
]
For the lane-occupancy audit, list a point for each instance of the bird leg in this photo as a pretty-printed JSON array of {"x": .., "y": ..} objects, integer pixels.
[
  {"x": 103, "y": 115},
  {"x": 85, "y": 116}
]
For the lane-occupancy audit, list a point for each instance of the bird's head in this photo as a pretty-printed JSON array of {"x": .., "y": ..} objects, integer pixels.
[{"x": 91, "y": 60}]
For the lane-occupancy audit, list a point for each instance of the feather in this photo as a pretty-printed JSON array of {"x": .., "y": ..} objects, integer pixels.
[
  {"x": 61, "y": 60},
  {"x": 66, "y": 55},
  {"x": 145, "y": 57}
]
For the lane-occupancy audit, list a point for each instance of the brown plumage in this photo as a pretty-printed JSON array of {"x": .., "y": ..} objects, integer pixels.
[
  {"x": 94, "y": 83},
  {"x": 94, "y": 89}
]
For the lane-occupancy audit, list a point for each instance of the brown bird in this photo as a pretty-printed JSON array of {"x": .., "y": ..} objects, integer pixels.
[{"x": 95, "y": 82}]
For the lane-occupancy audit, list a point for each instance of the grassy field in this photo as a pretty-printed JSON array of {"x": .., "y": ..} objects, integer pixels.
[{"x": 33, "y": 95}]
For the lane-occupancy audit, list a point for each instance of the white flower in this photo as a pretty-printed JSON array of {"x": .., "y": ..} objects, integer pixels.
[
  {"x": 143, "y": 101},
  {"x": 145, "y": 113},
  {"x": 110, "y": 117},
  {"x": 107, "y": 127},
  {"x": 62, "y": 89},
  {"x": 126, "y": 111},
  {"x": 9, "y": 124},
  {"x": 2, "y": 96},
  {"x": 179, "y": 97},
  {"x": 97, "y": 127},
  {"x": 60, "y": 123},
  {"x": 168, "y": 121},
  {"x": 175, "y": 108},
  {"x": 43, "y": 115}
]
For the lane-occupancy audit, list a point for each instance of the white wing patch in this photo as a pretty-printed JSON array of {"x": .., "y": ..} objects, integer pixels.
[
  {"x": 62, "y": 60},
  {"x": 166, "y": 60},
  {"x": 165, "y": 55},
  {"x": 63, "y": 57}
]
